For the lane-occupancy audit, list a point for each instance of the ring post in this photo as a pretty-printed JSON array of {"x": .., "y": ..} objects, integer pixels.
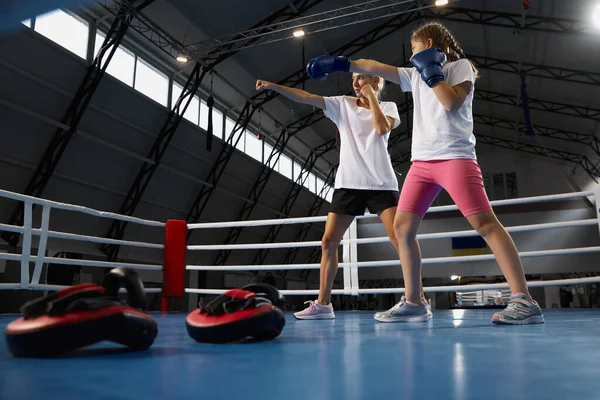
[{"x": 174, "y": 261}]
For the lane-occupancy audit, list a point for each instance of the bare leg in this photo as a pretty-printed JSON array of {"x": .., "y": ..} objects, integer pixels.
[
  {"x": 387, "y": 218},
  {"x": 335, "y": 227},
  {"x": 503, "y": 247},
  {"x": 406, "y": 225}
]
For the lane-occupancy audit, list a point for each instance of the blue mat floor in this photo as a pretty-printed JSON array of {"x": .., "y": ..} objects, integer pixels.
[{"x": 460, "y": 354}]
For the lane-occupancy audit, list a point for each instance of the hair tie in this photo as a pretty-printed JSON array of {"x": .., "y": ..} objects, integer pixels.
[{"x": 462, "y": 55}]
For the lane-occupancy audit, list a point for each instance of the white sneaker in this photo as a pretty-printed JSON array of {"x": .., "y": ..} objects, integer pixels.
[
  {"x": 404, "y": 312},
  {"x": 316, "y": 310},
  {"x": 519, "y": 311}
]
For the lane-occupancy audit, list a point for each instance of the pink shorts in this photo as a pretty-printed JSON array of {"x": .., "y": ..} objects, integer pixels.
[{"x": 461, "y": 178}]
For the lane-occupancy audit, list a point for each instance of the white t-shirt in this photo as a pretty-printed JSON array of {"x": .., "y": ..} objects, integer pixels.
[
  {"x": 437, "y": 133},
  {"x": 364, "y": 159}
]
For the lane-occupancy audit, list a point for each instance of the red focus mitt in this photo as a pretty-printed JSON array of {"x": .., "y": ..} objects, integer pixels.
[
  {"x": 83, "y": 315},
  {"x": 256, "y": 310}
]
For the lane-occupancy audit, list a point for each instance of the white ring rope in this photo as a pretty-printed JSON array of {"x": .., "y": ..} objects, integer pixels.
[
  {"x": 11, "y": 228},
  {"x": 429, "y": 289},
  {"x": 288, "y": 221},
  {"x": 262, "y": 222},
  {"x": 44, "y": 233},
  {"x": 10, "y": 286},
  {"x": 11, "y": 257},
  {"x": 284, "y": 292},
  {"x": 272, "y": 267},
  {"x": 460, "y": 288},
  {"x": 83, "y": 263},
  {"x": 383, "y": 239},
  {"x": 522, "y": 200},
  {"x": 510, "y": 229},
  {"x": 96, "y": 239},
  {"x": 393, "y": 263},
  {"x": 101, "y": 264},
  {"x": 485, "y": 257},
  {"x": 83, "y": 238},
  {"x": 253, "y": 246},
  {"x": 60, "y": 287},
  {"x": 81, "y": 209},
  {"x": 350, "y": 265}
]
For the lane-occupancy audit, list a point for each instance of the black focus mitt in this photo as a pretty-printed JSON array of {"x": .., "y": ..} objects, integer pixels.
[
  {"x": 83, "y": 315},
  {"x": 256, "y": 311}
]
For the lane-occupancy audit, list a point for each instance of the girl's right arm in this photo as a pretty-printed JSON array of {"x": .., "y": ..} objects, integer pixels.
[
  {"x": 372, "y": 67},
  {"x": 297, "y": 95}
]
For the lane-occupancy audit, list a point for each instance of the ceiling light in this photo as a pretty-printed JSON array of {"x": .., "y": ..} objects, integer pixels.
[
  {"x": 299, "y": 33},
  {"x": 182, "y": 59},
  {"x": 439, "y": 3}
]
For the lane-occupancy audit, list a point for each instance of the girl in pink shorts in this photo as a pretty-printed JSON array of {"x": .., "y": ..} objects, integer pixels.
[{"x": 442, "y": 83}]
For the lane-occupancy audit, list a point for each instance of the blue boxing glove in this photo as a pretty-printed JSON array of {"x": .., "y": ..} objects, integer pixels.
[
  {"x": 319, "y": 67},
  {"x": 429, "y": 63}
]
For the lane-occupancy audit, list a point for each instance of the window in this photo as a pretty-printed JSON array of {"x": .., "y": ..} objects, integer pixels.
[
  {"x": 285, "y": 166},
  {"x": 192, "y": 113},
  {"x": 217, "y": 120},
  {"x": 229, "y": 125},
  {"x": 329, "y": 195},
  {"x": 66, "y": 30},
  {"x": 275, "y": 160},
  {"x": 121, "y": 65},
  {"x": 320, "y": 184},
  {"x": 310, "y": 183},
  {"x": 268, "y": 150},
  {"x": 253, "y": 146},
  {"x": 297, "y": 171},
  {"x": 204, "y": 117},
  {"x": 72, "y": 33},
  {"x": 151, "y": 82},
  {"x": 307, "y": 182}
]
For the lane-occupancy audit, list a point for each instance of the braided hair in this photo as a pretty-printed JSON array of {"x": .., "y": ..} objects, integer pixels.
[{"x": 442, "y": 38}]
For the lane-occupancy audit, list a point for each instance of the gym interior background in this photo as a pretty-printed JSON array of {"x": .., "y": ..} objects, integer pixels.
[{"x": 118, "y": 141}]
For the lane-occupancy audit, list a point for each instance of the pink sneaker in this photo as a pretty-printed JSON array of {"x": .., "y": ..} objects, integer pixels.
[{"x": 316, "y": 310}]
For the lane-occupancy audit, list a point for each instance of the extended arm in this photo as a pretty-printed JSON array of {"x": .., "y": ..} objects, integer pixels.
[
  {"x": 319, "y": 67},
  {"x": 372, "y": 67},
  {"x": 297, "y": 95}
]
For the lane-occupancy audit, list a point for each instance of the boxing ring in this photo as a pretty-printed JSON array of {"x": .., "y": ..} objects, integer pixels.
[{"x": 459, "y": 354}]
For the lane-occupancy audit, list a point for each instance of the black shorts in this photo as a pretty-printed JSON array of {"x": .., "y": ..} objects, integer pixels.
[{"x": 355, "y": 201}]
